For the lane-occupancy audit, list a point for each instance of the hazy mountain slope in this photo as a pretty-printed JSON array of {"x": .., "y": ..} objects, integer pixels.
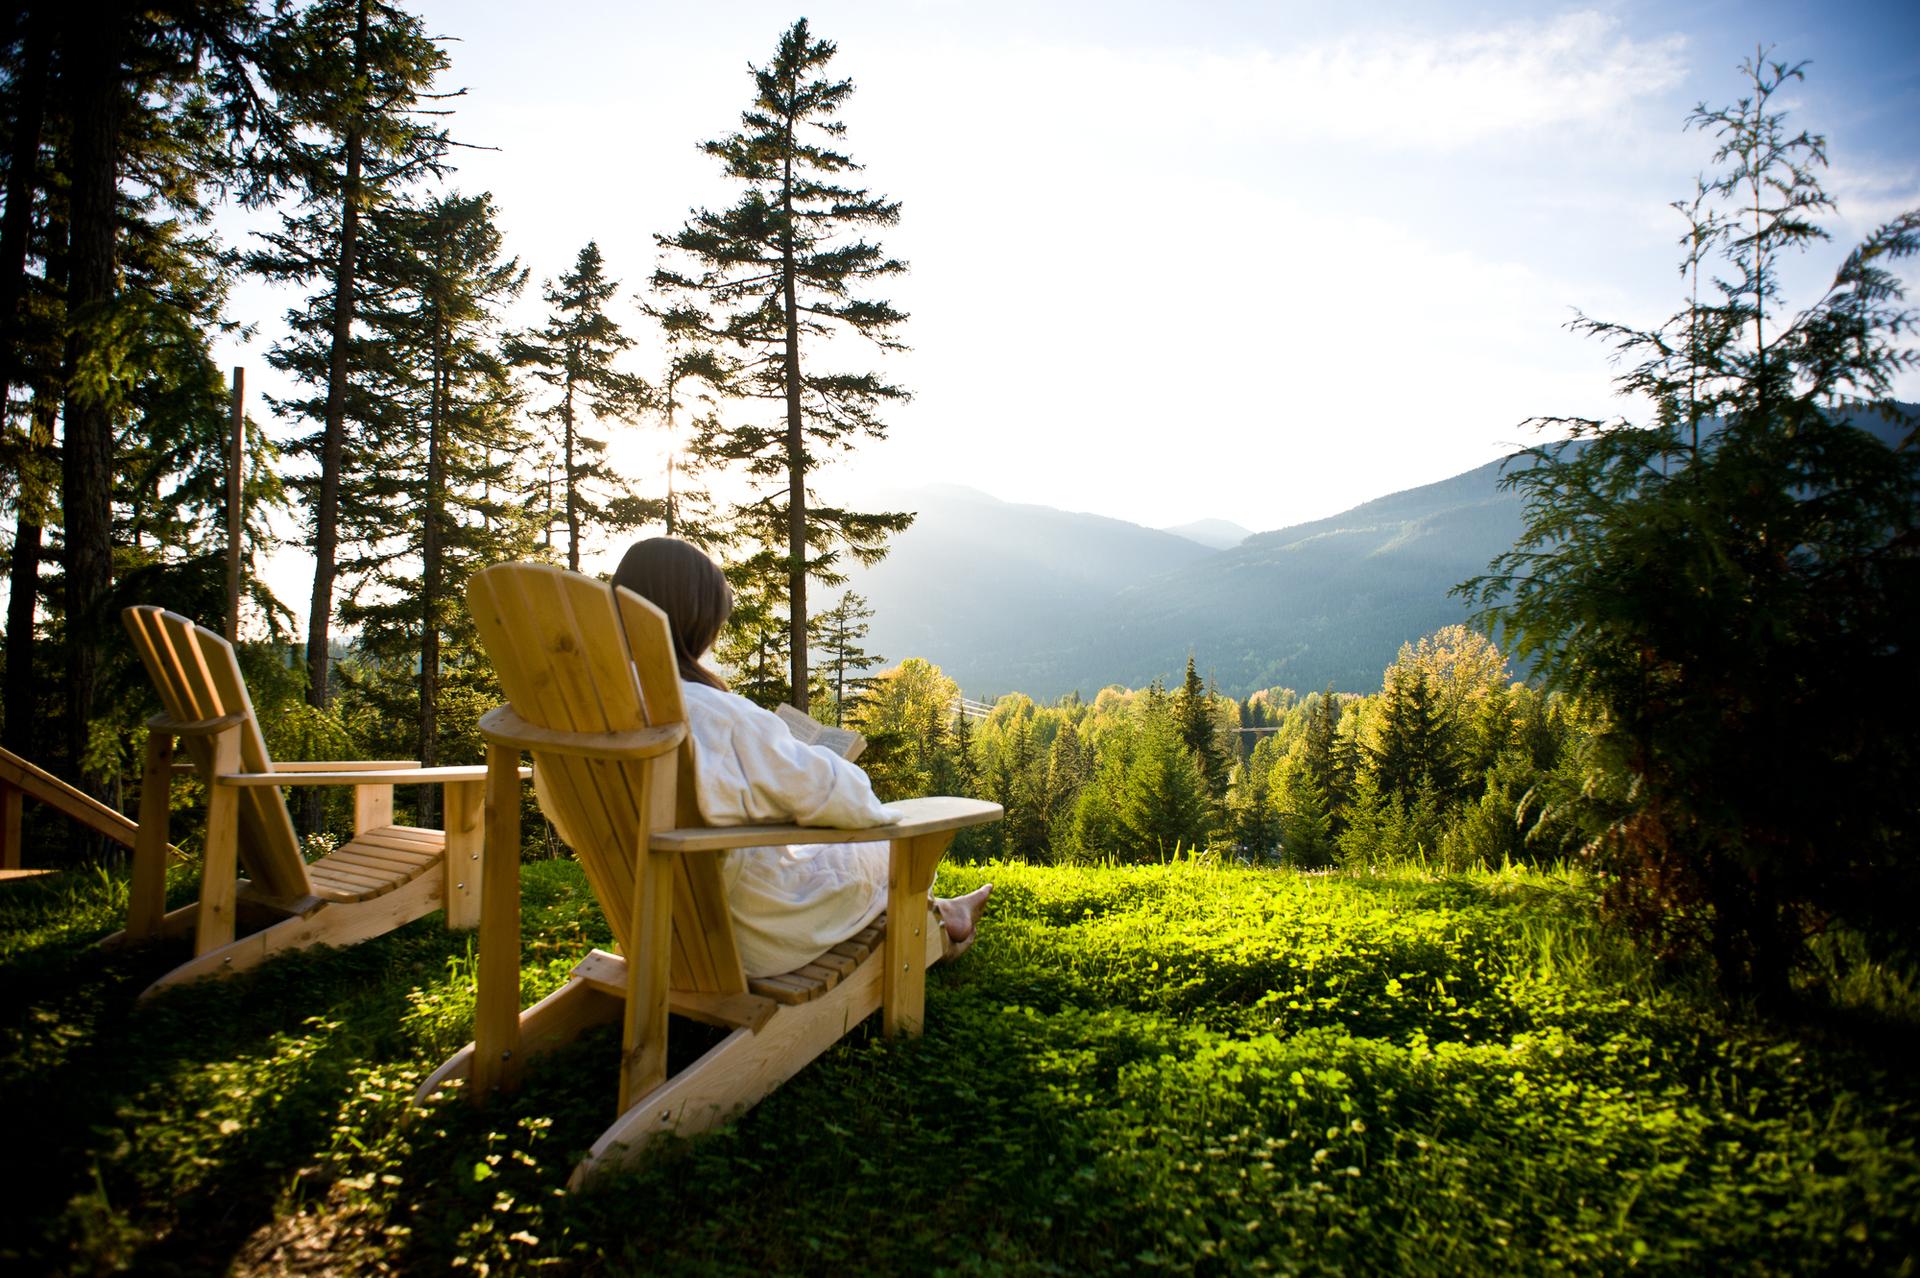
[
  {"x": 1005, "y": 597},
  {"x": 1324, "y": 602},
  {"x": 982, "y": 587}
]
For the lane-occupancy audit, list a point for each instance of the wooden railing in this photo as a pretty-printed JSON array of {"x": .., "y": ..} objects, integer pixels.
[{"x": 21, "y": 780}]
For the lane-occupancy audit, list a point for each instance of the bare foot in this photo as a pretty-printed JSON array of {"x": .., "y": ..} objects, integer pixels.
[{"x": 960, "y": 915}]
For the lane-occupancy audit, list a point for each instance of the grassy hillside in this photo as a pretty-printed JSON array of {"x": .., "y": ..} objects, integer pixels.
[{"x": 1163, "y": 1068}]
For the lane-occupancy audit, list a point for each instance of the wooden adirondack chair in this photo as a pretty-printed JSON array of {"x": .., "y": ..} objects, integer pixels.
[
  {"x": 594, "y": 694},
  {"x": 386, "y": 875}
]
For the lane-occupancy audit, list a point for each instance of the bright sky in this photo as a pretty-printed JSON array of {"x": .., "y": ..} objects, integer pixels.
[{"x": 1253, "y": 261}]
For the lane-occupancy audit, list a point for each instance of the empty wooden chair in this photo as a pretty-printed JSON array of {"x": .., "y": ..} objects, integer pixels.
[
  {"x": 594, "y": 693},
  {"x": 385, "y": 876}
]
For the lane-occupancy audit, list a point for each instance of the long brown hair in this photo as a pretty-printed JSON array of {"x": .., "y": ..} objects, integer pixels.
[{"x": 679, "y": 580}]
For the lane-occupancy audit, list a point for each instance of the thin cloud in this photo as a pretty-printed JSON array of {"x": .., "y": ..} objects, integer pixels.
[{"x": 1392, "y": 89}]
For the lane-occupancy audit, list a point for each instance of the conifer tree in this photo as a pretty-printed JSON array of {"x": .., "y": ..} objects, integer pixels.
[
  {"x": 842, "y": 629},
  {"x": 966, "y": 776},
  {"x": 1416, "y": 749},
  {"x": 1306, "y": 826},
  {"x": 933, "y": 751},
  {"x": 1251, "y": 813},
  {"x": 779, "y": 268},
  {"x": 573, "y": 356},
  {"x": 1193, "y": 712},
  {"x": 160, "y": 97},
  {"x": 687, "y": 509},
  {"x": 1732, "y": 584},
  {"x": 30, "y": 458},
  {"x": 1322, "y": 740},
  {"x": 754, "y": 643},
  {"x": 1069, "y": 767},
  {"x": 1162, "y": 805},
  {"x": 445, "y": 502},
  {"x": 26, "y": 85},
  {"x": 354, "y": 80},
  {"x": 31, "y": 348},
  {"x": 28, "y": 467}
]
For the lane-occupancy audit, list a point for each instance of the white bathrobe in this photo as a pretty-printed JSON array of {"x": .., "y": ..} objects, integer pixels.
[{"x": 789, "y": 904}]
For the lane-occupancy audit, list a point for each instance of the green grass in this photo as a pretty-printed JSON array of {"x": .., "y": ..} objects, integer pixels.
[{"x": 1164, "y": 1068}]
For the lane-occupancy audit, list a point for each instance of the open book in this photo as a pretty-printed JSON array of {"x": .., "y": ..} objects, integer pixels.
[{"x": 847, "y": 745}]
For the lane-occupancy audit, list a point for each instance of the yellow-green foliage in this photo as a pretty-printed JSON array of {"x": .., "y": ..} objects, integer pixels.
[{"x": 1146, "y": 1068}]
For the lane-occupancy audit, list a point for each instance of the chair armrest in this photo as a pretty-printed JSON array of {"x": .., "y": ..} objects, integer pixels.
[
  {"x": 917, "y": 816},
  {"x": 345, "y": 765},
  {"x": 346, "y": 775},
  {"x": 195, "y": 727}
]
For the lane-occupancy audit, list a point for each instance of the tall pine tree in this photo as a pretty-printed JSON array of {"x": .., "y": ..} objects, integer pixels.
[
  {"x": 354, "y": 79},
  {"x": 170, "y": 83},
  {"x": 447, "y": 470},
  {"x": 779, "y": 268}
]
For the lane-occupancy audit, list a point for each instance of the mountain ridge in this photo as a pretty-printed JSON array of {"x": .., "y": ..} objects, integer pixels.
[{"x": 1007, "y": 596}]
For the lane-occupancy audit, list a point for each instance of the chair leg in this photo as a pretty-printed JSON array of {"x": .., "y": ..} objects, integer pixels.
[
  {"x": 465, "y": 825},
  {"x": 910, "y": 874},
  {"x": 12, "y": 809},
  {"x": 147, "y": 895},
  {"x": 735, "y": 1074},
  {"x": 220, "y": 865},
  {"x": 643, "y": 1055},
  {"x": 496, "y": 1012}
]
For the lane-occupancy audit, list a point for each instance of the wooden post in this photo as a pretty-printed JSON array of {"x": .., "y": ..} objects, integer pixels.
[
  {"x": 220, "y": 864},
  {"x": 372, "y": 807},
  {"x": 496, "y": 1011},
  {"x": 643, "y": 1035},
  {"x": 147, "y": 897},
  {"x": 903, "y": 985},
  {"x": 11, "y": 804},
  {"x": 236, "y": 518},
  {"x": 465, "y": 828}
]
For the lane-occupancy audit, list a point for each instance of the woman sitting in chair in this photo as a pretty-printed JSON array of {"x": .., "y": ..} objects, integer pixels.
[{"x": 789, "y": 904}]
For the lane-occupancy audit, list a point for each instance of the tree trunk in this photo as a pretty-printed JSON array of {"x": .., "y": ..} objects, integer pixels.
[
  {"x": 431, "y": 570},
  {"x": 670, "y": 447},
  {"x": 326, "y": 515},
  {"x": 24, "y": 585},
  {"x": 796, "y": 452},
  {"x": 22, "y": 184},
  {"x": 571, "y": 474},
  {"x": 22, "y": 734},
  {"x": 95, "y": 42}
]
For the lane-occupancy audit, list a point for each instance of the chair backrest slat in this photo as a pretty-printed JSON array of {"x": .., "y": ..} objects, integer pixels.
[
  {"x": 197, "y": 677},
  {"x": 575, "y": 655},
  {"x": 531, "y": 633}
]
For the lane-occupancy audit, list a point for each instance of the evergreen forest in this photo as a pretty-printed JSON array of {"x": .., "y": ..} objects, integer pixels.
[{"x": 1578, "y": 938}]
